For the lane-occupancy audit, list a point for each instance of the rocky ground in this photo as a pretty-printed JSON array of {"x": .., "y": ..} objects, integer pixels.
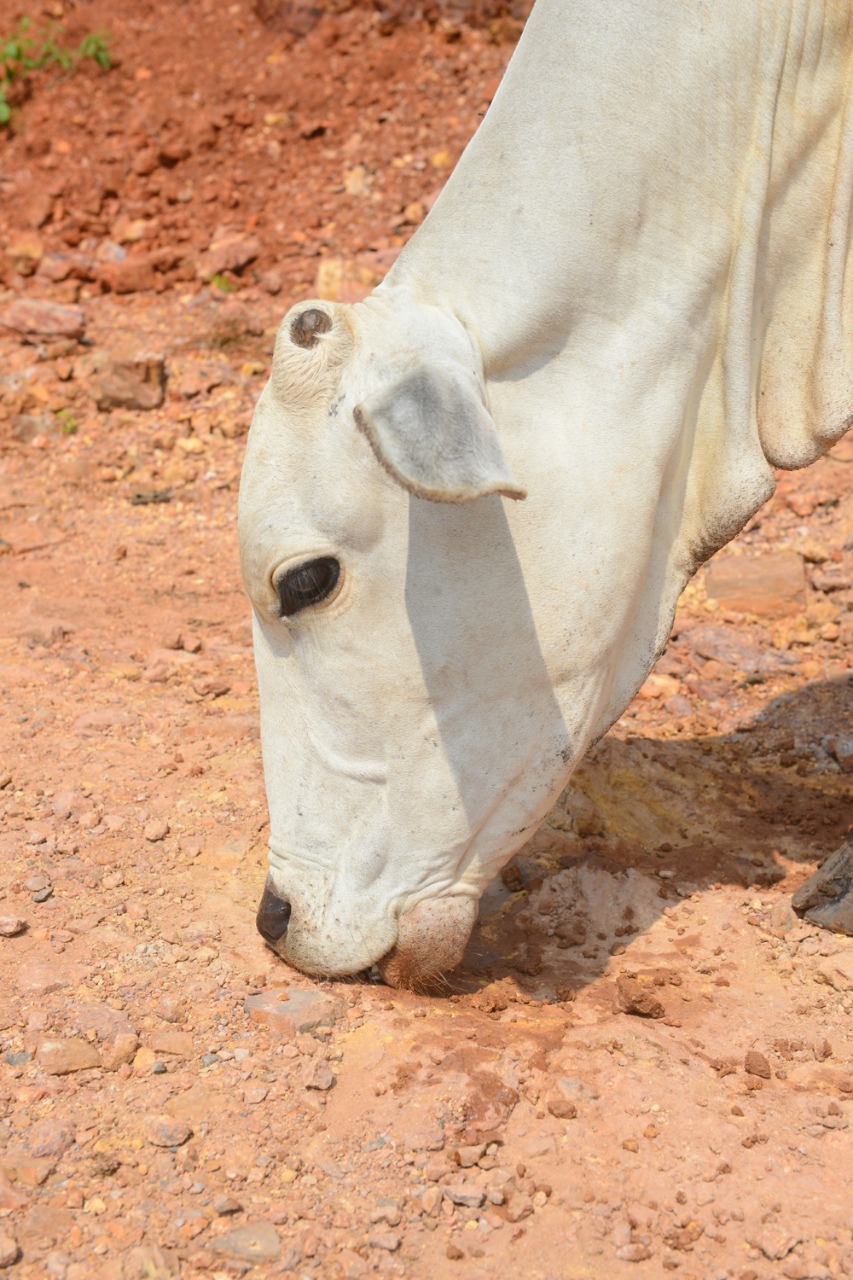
[{"x": 645, "y": 1063}]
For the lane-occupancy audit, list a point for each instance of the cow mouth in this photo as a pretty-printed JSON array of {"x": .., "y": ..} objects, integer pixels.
[{"x": 431, "y": 939}]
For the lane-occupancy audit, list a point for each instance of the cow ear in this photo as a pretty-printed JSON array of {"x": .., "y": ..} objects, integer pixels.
[{"x": 433, "y": 434}]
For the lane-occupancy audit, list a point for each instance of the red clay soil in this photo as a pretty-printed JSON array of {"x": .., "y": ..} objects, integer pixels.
[{"x": 645, "y": 1063}]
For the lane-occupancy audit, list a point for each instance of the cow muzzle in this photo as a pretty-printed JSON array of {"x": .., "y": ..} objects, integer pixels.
[
  {"x": 273, "y": 915},
  {"x": 431, "y": 939}
]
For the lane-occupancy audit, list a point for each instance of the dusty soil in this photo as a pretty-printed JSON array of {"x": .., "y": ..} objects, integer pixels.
[{"x": 645, "y": 1063}]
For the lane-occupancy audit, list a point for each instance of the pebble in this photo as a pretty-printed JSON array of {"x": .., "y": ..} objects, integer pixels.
[
  {"x": 11, "y": 926},
  {"x": 466, "y": 1194},
  {"x": 42, "y": 895},
  {"x": 837, "y": 971},
  {"x": 10, "y": 1250},
  {"x": 130, "y": 382},
  {"x": 228, "y": 251},
  {"x": 171, "y": 1009},
  {"x": 51, "y": 1137},
  {"x": 638, "y": 998},
  {"x": 292, "y": 1010},
  {"x": 256, "y": 1242},
  {"x": 225, "y": 1205},
  {"x": 772, "y": 585},
  {"x": 156, "y": 829},
  {"x": 164, "y": 1131},
  {"x": 388, "y": 1240},
  {"x": 178, "y": 1044},
  {"x": 755, "y": 1064},
  {"x": 561, "y": 1108},
  {"x": 33, "y": 318},
  {"x": 148, "y": 1262},
  {"x": 317, "y": 1074},
  {"x": 63, "y": 1057},
  {"x": 467, "y": 1157}
]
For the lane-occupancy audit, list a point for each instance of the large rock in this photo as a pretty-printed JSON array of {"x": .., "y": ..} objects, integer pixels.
[
  {"x": 826, "y": 898},
  {"x": 33, "y": 319},
  {"x": 771, "y": 585}
]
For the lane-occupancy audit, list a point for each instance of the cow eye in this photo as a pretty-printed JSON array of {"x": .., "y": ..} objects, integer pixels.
[{"x": 307, "y": 584}]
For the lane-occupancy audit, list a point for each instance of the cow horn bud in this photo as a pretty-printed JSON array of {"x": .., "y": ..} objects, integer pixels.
[{"x": 308, "y": 325}]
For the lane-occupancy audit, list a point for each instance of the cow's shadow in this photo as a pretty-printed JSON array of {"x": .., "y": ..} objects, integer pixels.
[{"x": 649, "y": 821}]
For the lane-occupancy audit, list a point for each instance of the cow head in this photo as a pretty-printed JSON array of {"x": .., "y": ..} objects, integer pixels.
[
  {"x": 432, "y": 658},
  {"x": 408, "y": 723}
]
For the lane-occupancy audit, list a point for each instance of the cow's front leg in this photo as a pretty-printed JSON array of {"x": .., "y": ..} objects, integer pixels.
[{"x": 826, "y": 898}]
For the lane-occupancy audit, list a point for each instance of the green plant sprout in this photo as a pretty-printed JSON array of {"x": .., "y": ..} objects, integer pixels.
[
  {"x": 22, "y": 53},
  {"x": 223, "y": 284}
]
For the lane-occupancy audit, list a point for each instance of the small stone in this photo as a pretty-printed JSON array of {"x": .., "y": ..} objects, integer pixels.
[
  {"x": 120, "y": 1050},
  {"x": 228, "y": 251},
  {"x": 561, "y": 1108},
  {"x": 388, "y": 1240},
  {"x": 271, "y": 281},
  {"x": 149, "y": 1262},
  {"x": 837, "y": 971},
  {"x": 634, "y": 1253},
  {"x": 156, "y": 829},
  {"x": 164, "y": 1131},
  {"x": 453, "y": 1252},
  {"x": 11, "y": 926},
  {"x": 130, "y": 382},
  {"x": 210, "y": 688},
  {"x": 9, "y": 1250},
  {"x": 465, "y": 1194},
  {"x": 317, "y": 1074},
  {"x": 292, "y": 1010},
  {"x": 171, "y": 1009},
  {"x": 62, "y": 1057},
  {"x": 33, "y": 318},
  {"x": 256, "y": 1242},
  {"x": 519, "y": 1206},
  {"x": 771, "y": 585},
  {"x": 755, "y": 1064},
  {"x": 467, "y": 1157},
  {"x": 638, "y": 998},
  {"x": 51, "y": 1138},
  {"x": 388, "y": 1211},
  {"x": 209, "y": 1059},
  {"x": 158, "y": 1068},
  {"x": 225, "y": 1205},
  {"x": 42, "y": 895},
  {"x": 178, "y": 1044},
  {"x": 255, "y": 1093}
]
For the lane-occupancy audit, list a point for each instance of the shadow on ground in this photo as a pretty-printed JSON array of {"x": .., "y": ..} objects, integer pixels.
[{"x": 648, "y": 821}]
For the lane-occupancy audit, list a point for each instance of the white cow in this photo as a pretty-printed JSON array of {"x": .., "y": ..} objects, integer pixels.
[{"x": 630, "y": 302}]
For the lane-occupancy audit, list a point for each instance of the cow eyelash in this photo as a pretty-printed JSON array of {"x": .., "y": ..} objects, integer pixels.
[{"x": 307, "y": 584}]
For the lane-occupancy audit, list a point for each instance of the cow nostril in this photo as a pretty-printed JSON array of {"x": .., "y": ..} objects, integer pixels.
[{"x": 273, "y": 914}]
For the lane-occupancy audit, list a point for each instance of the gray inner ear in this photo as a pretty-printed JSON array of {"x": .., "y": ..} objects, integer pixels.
[{"x": 433, "y": 434}]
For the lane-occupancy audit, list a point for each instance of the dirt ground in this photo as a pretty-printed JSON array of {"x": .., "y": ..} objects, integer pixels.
[{"x": 645, "y": 1063}]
